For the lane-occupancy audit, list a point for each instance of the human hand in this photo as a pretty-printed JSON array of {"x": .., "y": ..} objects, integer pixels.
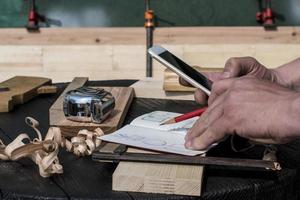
[
  {"x": 237, "y": 67},
  {"x": 249, "y": 107}
]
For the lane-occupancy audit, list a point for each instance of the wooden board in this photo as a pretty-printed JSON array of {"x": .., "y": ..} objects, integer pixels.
[
  {"x": 20, "y": 90},
  {"x": 123, "y": 96},
  {"x": 163, "y": 35},
  {"x": 153, "y": 88},
  {"x": 171, "y": 80},
  {"x": 158, "y": 178},
  {"x": 102, "y": 53}
]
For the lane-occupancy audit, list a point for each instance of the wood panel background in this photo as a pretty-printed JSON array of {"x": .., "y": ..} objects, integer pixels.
[{"x": 119, "y": 53}]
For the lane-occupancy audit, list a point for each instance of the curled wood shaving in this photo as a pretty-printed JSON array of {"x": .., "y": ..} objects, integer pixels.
[{"x": 44, "y": 152}]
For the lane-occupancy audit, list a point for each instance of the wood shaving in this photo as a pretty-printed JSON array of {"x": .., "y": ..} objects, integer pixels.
[{"x": 44, "y": 152}]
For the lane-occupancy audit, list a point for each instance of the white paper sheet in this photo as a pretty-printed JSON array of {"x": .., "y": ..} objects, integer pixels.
[
  {"x": 149, "y": 138},
  {"x": 156, "y": 118}
]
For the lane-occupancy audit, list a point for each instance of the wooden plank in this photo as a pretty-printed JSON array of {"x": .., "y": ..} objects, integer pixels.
[
  {"x": 113, "y": 62},
  {"x": 153, "y": 88},
  {"x": 123, "y": 96},
  {"x": 104, "y": 53},
  {"x": 80, "y": 58},
  {"x": 133, "y": 36},
  {"x": 14, "y": 58},
  {"x": 158, "y": 178},
  {"x": 20, "y": 90},
  {"x": 171, "y": 80},
  {"x": 48, "y": 89}
]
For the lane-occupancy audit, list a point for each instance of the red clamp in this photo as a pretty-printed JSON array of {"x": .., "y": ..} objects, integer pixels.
[
  {"x": 149, "y": 19},
  {"x": 34, "y": 17},
  {"x": 266, "y": 16}
]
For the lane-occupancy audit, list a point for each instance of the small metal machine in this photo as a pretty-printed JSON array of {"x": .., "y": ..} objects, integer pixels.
[{"x": 87, "y": 104}]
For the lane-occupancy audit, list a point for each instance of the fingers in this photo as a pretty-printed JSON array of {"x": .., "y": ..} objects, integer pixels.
[
  {"x": 213, "y": 112},
  {"x": 213, "y": 76},
  {"x": 184, "y": 82},
  {"x": 200, "y": 97},
  {"x": 241, "y": 66},
  {"x": 213, "y": 134},
  {"x": 220, "y": 87}
]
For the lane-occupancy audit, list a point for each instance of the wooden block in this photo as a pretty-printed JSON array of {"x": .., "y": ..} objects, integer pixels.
[
  {"x": 123, "y": 96},
  {"x": 158, "y": 178},
  {"x": 171, "y": 80},
  {"x": 47, "y": 89},
  {"x": 20, "y": 89},
  {"x": 153, "y": 88}
]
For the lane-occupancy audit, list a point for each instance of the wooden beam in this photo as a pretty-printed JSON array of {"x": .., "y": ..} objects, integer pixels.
[
  {"x": 134, "y": 36},
  {"x": 158, "y": 178},
  {"x": 104, "y": 53}
]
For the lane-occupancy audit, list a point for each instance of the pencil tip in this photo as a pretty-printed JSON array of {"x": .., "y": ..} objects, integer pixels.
[{"x": 170, "y": 121}]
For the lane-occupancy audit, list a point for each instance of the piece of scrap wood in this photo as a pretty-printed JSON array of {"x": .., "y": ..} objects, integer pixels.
[
  {"x": 19, "y": 90},
  {"x": 47, "y": 89}
]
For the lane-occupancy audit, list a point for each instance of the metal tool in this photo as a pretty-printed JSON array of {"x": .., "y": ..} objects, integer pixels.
[
  {"x": 149, "y": 25},
  {"x": 87, "y": 104},
  {"x": 117, "y": 153},
  {"x": 265, "y": 16},
  {"x": 34, "y": 17}
]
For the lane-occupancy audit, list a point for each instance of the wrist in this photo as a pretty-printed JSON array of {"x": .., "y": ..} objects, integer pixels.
[
  {"x": 282, "y": 78},
  {"x": 288, "y": 75},
  {"x": 293, "y": 116}
]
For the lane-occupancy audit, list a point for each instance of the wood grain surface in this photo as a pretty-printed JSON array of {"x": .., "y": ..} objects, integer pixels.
[
  {"x": 123, "y": 97},
  {"x": 20, "y": 89},
  {"x": 86, "y": 179},
  {"x": 104, "y": 53}
]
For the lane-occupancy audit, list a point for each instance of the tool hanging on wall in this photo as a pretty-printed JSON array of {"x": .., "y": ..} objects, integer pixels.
[
  {"x": 149, "y": 25},
  {"x": 266, "y": 15},
  {"x": 34, "y": 18}
]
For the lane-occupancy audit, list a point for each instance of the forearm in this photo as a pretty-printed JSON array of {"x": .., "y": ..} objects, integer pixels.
[
  {"x": 289, "y": 74},
  {"x": 292, "y": 119}
]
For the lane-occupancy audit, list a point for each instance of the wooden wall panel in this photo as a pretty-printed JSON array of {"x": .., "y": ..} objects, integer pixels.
[
  {"x": 16, "y": 58},
  {"x": 119, "y": 53},
  {"x": 77, "y": 58}
]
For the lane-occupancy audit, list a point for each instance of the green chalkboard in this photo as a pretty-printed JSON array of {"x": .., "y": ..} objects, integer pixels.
[{"x": 123, "y": 13}]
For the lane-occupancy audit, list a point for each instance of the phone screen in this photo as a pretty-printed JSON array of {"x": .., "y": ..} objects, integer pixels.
[{"x": 188, "y": 70}]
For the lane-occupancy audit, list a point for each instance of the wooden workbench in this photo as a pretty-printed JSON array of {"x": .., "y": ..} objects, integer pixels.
[{"x": 85, "y": 179}]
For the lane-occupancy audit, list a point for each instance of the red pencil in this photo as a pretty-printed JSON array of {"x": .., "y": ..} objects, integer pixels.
[{"x": 186, "y": 116}]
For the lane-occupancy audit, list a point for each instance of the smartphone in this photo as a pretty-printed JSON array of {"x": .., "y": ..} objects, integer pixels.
[{"x": 182, "y": 69}]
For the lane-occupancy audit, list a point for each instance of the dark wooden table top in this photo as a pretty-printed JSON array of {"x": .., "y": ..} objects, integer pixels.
[{"x": 85, "y": 179}]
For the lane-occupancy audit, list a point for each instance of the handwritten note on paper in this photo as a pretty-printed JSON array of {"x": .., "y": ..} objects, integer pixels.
[
  {"x": 147, "y": 138},
  {"x": 146, "y": 132},
  {"x": 154, "y": 119}
]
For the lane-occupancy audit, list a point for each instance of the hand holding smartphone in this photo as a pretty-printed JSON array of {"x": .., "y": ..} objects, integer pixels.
[{"x": 182, "y": 69}]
